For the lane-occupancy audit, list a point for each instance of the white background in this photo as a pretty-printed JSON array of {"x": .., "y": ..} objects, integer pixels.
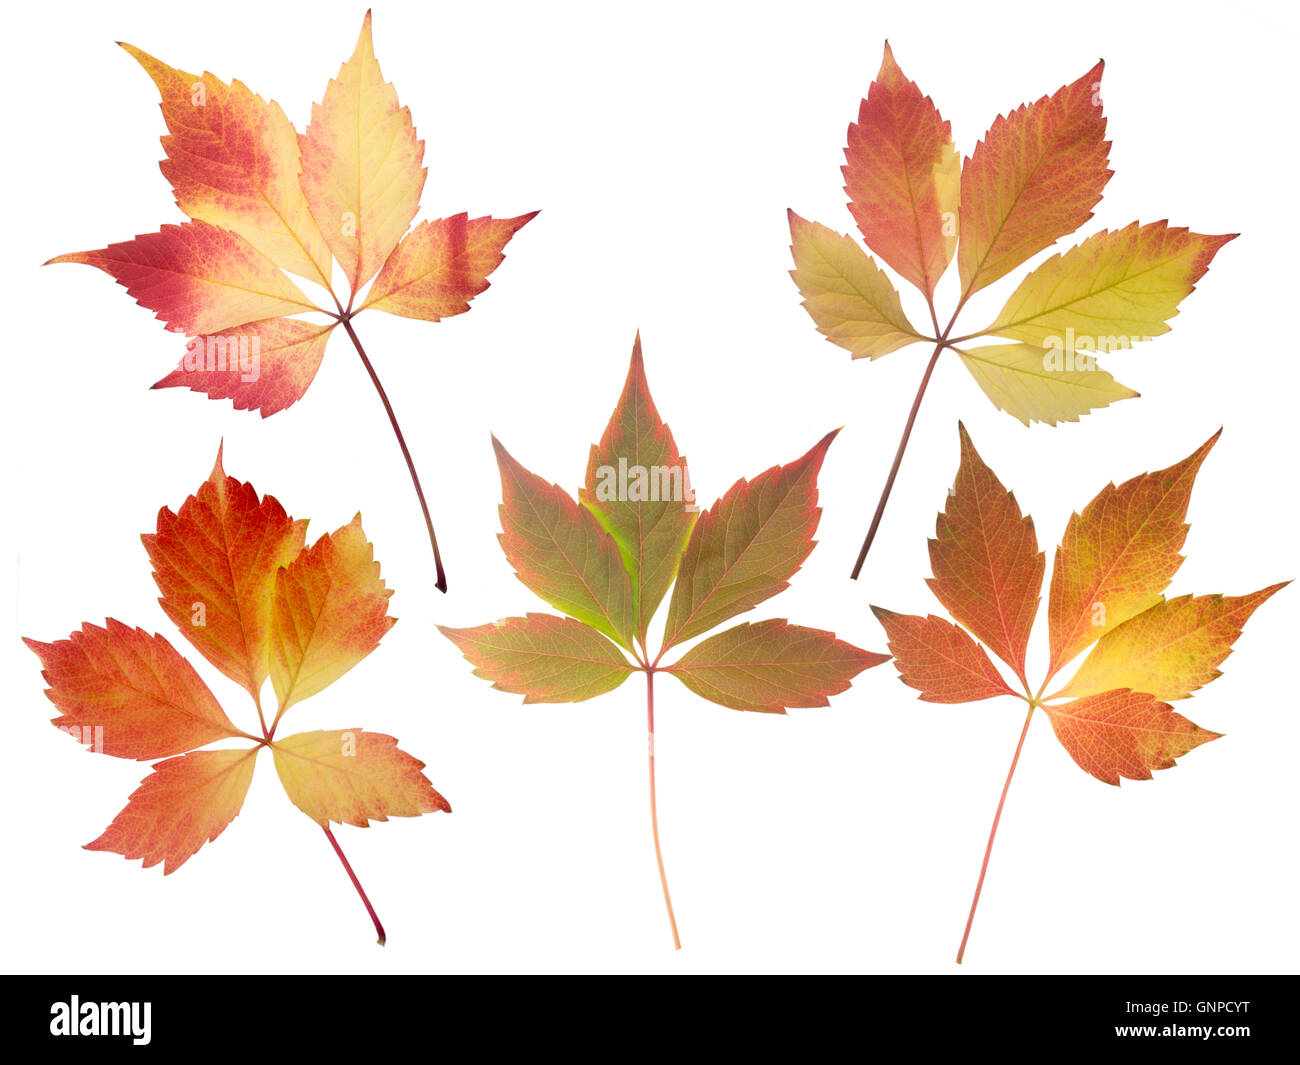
[{"x": 663, "y": 145}]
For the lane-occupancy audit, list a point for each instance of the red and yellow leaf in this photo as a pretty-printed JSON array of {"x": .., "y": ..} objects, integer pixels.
[
  {"x": 197, "y": 278},
  {"x": 902, "y": 175},
  {"x": 544, "y": 658},
  {"x": 353, "y": 777},
  {"x": 185, "y": 803},
  {"x": 1034, "y": 178},
  {"x": 1171, "y": 649},
  {"x": 215, "y": 562},
  {"x": 746, "y": 547},
  {"x": 846, "y": 294},
  {"x": 362, "y": 171},
  {"x": 126, "y": 693},
  {"x": 440, "y": 266},
  {"x": 939, "y": 659},
  {"x": 263, "y": 366},
  {"x": 769, "y": 666},
  {"x": 639, "y": 489},
  {"x": 988, "y": 570},
  {"x": 1118, "y": 556},
  {"x": 233, "y": 160},
  {"x": 330, "y": 611},
  {"x": 560, "y": 551},
  {"x": 1124, "y": 734}
]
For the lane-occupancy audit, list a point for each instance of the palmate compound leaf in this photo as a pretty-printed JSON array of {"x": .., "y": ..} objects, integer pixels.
[
  {"x": 609, "y": 559},
  {"x": 239, "y": 583},
  {"x": 1114, "y": 562},
  {"x": 262, "y": 200},
  {"x": 1034, "y": 178}
]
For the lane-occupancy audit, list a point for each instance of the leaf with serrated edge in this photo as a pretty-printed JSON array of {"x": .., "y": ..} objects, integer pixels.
[
  {"x": 846, "y": 294},
  {"x": 561, "y": 553},
  {"x": 768, "y": 666},
  {"x": 440, "y": 266},
  {"x": 1034, "y": 178},
  {"x": 1025, "y": 381},
  {"x": 129, "y": 694},
  {"x": 185, "y": 803},
  {"x": 609, "y": 574},
  {"x": 1118, "y": 556},
  {"x": 544, "y": 658},
  {"x": 902, "y": 175},
  {"x": 263, "y": 366},
  {"x": 215, "y": 562},
  {"x": 1171, "y": 649},
  {"x": 233, "y": 160},
  {"x": 331, "y": 610},
  {"x": 939, "y": 659},
  {"x": 1124, "y": 734},
  {"x": 197, "y": 278},
  {"x": 353, "y": 777},
  {"x": 746, "y": 547},
  {"x": 638, "y": 487},
  {"x": 362, "y": 170},
  {"x": 988, "y": 570},
  {"x": 1114, "y": 290}
]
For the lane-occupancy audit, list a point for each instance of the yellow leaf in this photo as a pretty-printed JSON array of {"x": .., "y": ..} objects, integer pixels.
[
  {"x": 331, "y": 609},
  {"x": 353, "y": 777},
  {"x": 1171, "y": 649},
  {"x": 847, "y": 295},
  {"x": 1028, "y": 383},
  {"x": 361, "y": 165},
  {"x": 1112, "y": 291}
]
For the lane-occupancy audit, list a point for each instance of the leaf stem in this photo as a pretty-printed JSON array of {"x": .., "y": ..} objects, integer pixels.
[
  {"x": 654, "y": 808},
  {"x": 979, "y": 886},
  {"x": 401, "y": 441},
  {"x": 898, "y": 461},
  {"x": 356, "y": 884}
]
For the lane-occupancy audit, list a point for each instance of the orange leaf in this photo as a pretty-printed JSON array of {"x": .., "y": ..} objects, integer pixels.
[
  {"x": 903, "y": 177},
  {"x": 361, "y": 164},
  {"x": 215, "y": 562},
  {"x": 196, "y": 278},
  {"x": 939, "y": 659},
  {"x": 440, "y": 266},
  {"x": 353, "y": 777},
  {"x": 988, "y": 570},
  {"x": 263, "y": 366},
  {"x": 233, "y": 160},
  {"x": 186, "y": 802},
  {"x": 330, "y": 611},
  {"x": 129, "y": 694},
  {"x": 1119, "y": 555},
  {"x": 1034, "y": 178},
  {"x": 1124, "y": 734}
]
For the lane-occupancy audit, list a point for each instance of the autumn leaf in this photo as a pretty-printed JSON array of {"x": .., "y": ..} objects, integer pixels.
[
  {"x": 240, "y": 584},
  {"x": 1112, "y": 567},
  {"x": 1033, "y": 179},
  {"x": 265, "y": 201},
  {"x": 608, "y": 559}
]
